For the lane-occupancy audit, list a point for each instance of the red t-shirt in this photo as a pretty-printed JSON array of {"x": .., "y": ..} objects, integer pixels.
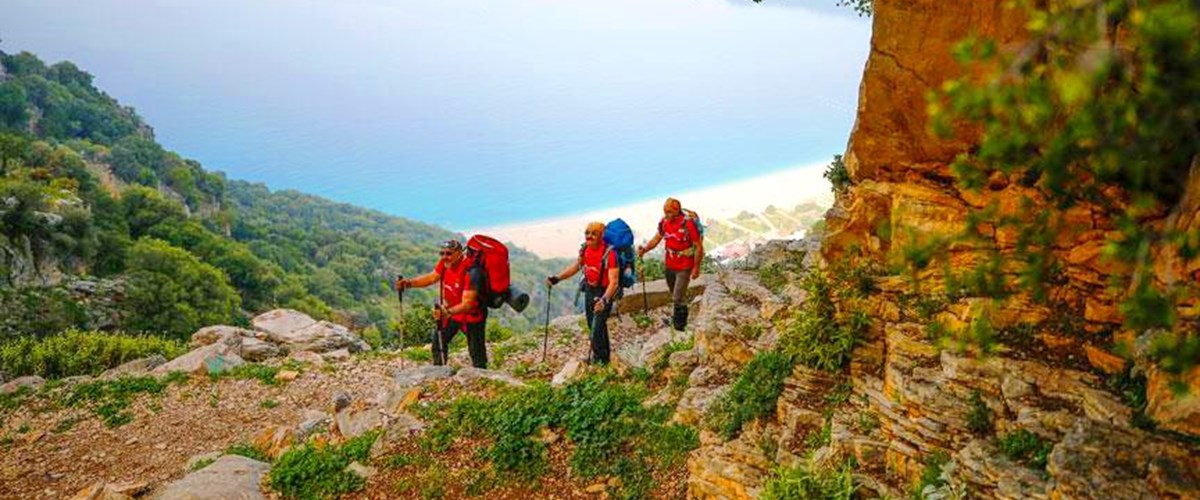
[
  {"x": 679, "y": 234},
  {"x": 590, "y": 259},
  {"x": 456, "y": 280}
]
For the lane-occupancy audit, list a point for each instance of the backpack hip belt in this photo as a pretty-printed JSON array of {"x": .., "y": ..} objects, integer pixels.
[{"x": 690, "y": 252}]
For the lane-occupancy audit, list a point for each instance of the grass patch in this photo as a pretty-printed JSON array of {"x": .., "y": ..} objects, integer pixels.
[
  {"x": 1026, "y": 447},
  {"x": 269, "y": 403},
  {"x": 664, "y": 357},
  {"x": 110, "y": 399},
  {"x": 807, "y": 480},
  {"x": 247, "y": 450},
  {"x": 16, "y": 399},
  {"x": 602, "y": 415},
  {"x": 202, "y": 463},
  {"x": 75, "y": 352},
  {"x": 773, "y": 276},
  {"x": 931, "y": 475},
  {"x": 250, "y": 371},
  {"x": 313, "y": 471},
  {"x": 752, "y": 395}
]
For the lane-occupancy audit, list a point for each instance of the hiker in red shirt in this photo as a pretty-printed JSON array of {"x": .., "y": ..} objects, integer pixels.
[
  {"x": 459, "y": 308},
  {"x": 684, "y": 253},
  {"x": 600, "y": 276}
]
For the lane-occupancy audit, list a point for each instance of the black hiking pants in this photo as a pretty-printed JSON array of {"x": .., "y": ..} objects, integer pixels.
[
  {"x": 475, "y": 342},
  {"x": 598, "y": 324}
]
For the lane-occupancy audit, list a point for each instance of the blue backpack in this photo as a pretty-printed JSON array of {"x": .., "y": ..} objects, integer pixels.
[{"x": 619, "y": 238}]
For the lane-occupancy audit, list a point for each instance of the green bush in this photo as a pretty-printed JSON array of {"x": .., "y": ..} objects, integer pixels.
[
  {"x": 979, "y": 419},
  {"x": 1026, "y": 447},
  {"x": 838, "y": 175},
  {"x": 312, "y": 471},
  {"x": 807, "y": 480},
  {"x": 80, "y": 353},
  {"x": 752, "y": 395},
  {"x": 820, "y": 336},
  {"x": 773, "y": 277},
  {"x": 612, "y": 433},
  {"x": 931, "y": 474}
]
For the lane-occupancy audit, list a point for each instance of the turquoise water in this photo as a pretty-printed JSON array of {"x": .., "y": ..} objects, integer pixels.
[{"x": 470, "y": 113}]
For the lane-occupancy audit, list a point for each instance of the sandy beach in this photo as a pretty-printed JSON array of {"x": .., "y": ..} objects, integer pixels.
[{"x": 561, "y": 236}]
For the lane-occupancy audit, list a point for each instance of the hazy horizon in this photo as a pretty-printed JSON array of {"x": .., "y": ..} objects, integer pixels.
[{"x": 521, "y": 110}]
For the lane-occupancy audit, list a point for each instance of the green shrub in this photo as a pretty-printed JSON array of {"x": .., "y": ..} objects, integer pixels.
[
  {"x": 80, "y": 353},
  {"x": 773, "y": 277},
  {"x": 752, "y": 395},
  {"x": 931, "y": 474},
  {"x": 838, "y": 174},
  {"x": 817, "y": 335},
  {"x": 313, "y": 471},
  {"x": 1026, "y": 447},
  {"x": 807, "y": 480},
  {"x": 170, "y": 290},
  {"x": 979, "y": 419}
]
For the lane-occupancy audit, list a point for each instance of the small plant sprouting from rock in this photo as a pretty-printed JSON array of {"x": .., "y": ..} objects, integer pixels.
[
  {"x": 810, "y": 480},
  {"x": 752, "y": 395},
  {"x": 247, "y": 450},
  {"x": 979, "y": 419},
  {"x": 838, "y": 175},
  {"x": 931, "y": 474},
  {"x": 1026, "y": 447}
]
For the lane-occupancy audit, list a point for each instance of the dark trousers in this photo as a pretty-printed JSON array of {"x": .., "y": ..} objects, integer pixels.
[
  {"x": 598, "y": 324},
  {"x": 475, "y": 342},
  {"x": 677, "y": 283}
]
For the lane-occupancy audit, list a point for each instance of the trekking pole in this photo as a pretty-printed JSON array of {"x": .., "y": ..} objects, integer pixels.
[
  {"x": 437, "y": 329},
  {"x": 645, "y": 300},
  {"x": 546, "y": 334},
  {"x": 400, "y": 297}
]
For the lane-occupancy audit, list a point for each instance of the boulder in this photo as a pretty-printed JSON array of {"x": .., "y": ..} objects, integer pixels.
[
  {"x": 210, "y": 359},
  {"x": 654, "y": 347},
  {"x": 217, "y": 333},
  {"x": 337, "y": 356},
  {"x": 309, "y": 357},
  {"x": 400, "y": 428},
  {"x": 422, "y": 374},
  {"x": 361, "y": 470},
  {"x": 397, "y": 399},
  {"x": 569, "y": 372},
  {"x": 136, "y": 367},
  {"x": 274, "y": 440},
  {"x": 230, "y": 476},
  {"x": 258, "y": 350},
  {"x": 657, "y": 294},
  {"x": 32, "y": 382},
  {"x": 352, "y": 424},
  {"x": 296, "y": 331}
]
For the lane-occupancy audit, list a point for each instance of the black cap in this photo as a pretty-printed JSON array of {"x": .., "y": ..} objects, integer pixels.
[{"x": 451, "y": 245}]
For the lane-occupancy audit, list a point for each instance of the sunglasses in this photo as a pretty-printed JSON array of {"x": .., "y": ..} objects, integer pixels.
[
  {"x": 447, "y": 253},
  {"x": 591, "y": 233}
]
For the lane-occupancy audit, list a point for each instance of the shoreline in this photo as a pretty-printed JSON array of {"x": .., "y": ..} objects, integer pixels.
[{"x": 560, "y": 236}]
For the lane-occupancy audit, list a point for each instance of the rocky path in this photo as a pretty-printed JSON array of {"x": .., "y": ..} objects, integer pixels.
[{"x": 54, "y": 449}]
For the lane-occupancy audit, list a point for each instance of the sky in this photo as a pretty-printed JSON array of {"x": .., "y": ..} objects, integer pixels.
[{"x": 467, "y": 113}]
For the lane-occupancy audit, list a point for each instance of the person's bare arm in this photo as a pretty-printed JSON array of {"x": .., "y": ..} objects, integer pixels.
[
  {"x": 649, "y": 245},
  {"x": 567, "y": 272},
  {"x": 421, "y": 281}
]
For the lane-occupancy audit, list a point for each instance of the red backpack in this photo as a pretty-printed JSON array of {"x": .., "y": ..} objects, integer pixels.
[{"x": 490, "y": 257}]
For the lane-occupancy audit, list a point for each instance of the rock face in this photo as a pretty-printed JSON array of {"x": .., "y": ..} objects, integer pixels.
[
  {"x": 656, "y": 295},
  {"x": 230, "y": 477},
  {"x": 32, "y": 383},
  {"x": 296, "y": 331}
]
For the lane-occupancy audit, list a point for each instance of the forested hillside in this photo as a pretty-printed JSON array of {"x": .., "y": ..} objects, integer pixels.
[{"x": 101, "y": 227}]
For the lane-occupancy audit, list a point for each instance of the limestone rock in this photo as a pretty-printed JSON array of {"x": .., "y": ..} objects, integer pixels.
[
  {"x": 397, "y": 399},
  {"x": 654, "y": 347},
  {"x": 422, "y": 374},
  {"x": 257, "y": 350},
  {"x": 569, "y": 372},
  {"x": 218, "y": 333},
  {"x": 694, "y": 403},
  {"x": 136, "y": 367},
  {"x": 337, "y": 356},
  {"x": 400, "y": 427},
  {"x": 311, "y": 421},
  {"x": 361, "y": 470},
  {"x": 231, "y": 476},
  {"x": 109, "y": 491},
  {"x": 657, "y": 295},
  {"x": 213, "y": 358},
  {"x": 1096, "y": 460},
  {"x": 352, "y": 424},
  {"x": 296, "y": 331},
  {"x": 1179, "y": 412},
  {"x": 274, "y": 440},
  {"x": 308, "y": 357},
  {"x": 287, "y": 375},
  {"x": 30, "y": 382}
]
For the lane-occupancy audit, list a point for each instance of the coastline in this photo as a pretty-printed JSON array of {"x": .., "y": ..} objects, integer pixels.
[{"x": 560, "y": 236}]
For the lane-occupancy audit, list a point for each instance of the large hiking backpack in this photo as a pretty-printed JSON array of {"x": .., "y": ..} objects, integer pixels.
[
  {"x": 619, "y": 238},
  {"x": 691, "y": 214},
  {"x": 490, "y": 258}
]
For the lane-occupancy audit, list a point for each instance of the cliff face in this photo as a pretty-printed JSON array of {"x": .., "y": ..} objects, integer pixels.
[{"x": 1055, "y": 374}]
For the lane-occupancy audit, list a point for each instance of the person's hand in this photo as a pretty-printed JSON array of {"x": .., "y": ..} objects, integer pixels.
[
  {"x": 402, "y": 284},
  {"x": 600, "y": 304},
  {"x": 695, "y": 272},
  {"x": 438, "y": 313},
  {"x": 641, "y": 250},
  {"x": 552, "y": 280}
]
